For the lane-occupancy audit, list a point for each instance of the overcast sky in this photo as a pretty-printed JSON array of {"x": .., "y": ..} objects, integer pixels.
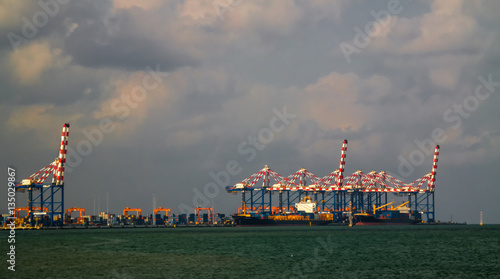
[{"x": 159, "y": 94}]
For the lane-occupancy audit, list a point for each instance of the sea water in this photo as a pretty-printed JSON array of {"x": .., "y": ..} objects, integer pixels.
[{"x": 420, "y": 251}]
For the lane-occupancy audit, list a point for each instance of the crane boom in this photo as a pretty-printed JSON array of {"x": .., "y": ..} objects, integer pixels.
[
  {"x": 403, "y": 204},
  {"x": 377, "y": 208}
]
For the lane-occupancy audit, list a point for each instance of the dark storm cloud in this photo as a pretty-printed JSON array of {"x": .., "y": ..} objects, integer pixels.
[
  {"x": 116, "y": 41},
  {"x": 32, "y": 22},
  {"x": 57, "y": 88}
]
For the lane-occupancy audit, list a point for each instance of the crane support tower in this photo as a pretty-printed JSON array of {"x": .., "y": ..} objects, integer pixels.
[
  {"x": 210, "y": 214},
  {"x": 161, "y": 209},
  {"x": 138, "y": 211},
  {"x": 49, "y": 196},
  {"x": 80, "y": 210},
  {"x": 357, "y": 193}
]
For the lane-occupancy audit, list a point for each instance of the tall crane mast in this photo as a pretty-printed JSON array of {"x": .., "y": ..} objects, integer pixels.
[{"x": 50, "y": 196}]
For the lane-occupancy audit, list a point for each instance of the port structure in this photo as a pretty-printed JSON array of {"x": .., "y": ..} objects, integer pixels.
[
  {"x": 210, "y": 214},
  {"x": 357, "y": 193},
  {"x": 47, "y": 196},
  {"x": 138, "y": 211},
  {"x": 80, "y": 210},
  {"x": 27, "y": 209},
  {"x": 73, "y": 209},
  {"x": 161, "y": 209}
]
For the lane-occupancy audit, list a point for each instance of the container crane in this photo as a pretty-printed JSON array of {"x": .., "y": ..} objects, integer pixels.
[
  {"x": 210, "y": 213},
  {"x": 138, "y": 211},
  {"x": 73, "y": 209},
  {"x": 49, "y": 196},
  {"x": 161, "y": 209}
]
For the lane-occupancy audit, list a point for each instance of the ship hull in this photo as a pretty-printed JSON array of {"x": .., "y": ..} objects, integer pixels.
[
  {"x": 372, "y": 221},
  {"x": 244, "y": 221},
  {"x": 383, "y": 223}
]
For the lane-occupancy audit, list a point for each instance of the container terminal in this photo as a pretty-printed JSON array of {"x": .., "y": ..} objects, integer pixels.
[
  {"x": 46, "y": 207},
  {"x": 301, "y": 198}
]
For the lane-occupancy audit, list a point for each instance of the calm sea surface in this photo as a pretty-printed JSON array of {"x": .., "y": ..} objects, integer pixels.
[{"x": 441, "y": 251}]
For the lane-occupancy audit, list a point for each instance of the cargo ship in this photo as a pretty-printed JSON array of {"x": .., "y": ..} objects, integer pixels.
[
  {"x": 399, "y": 215},
  {"x": 304, "y": 216},
  {"x": 242, "y": 220}
]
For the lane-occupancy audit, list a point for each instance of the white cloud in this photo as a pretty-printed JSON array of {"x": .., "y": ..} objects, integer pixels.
[
  {"x": 31, "y": 61},
  {"x": 143, "y": 4},
  {"x": 276, "y": 17},
  {"x": 445, "y": 70},
  {"x": 327, "y": 9},
  {"x": 10, "y": 11},
  {"x": 130, "y": 100},
  {"x": 445, "y": 28},
  {"x": 332, "y": 102},
  {"x": 36, "y": 120}
]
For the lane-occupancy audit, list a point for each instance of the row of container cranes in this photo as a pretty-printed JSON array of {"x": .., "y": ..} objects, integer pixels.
[{"x": 360, "y": 197}]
